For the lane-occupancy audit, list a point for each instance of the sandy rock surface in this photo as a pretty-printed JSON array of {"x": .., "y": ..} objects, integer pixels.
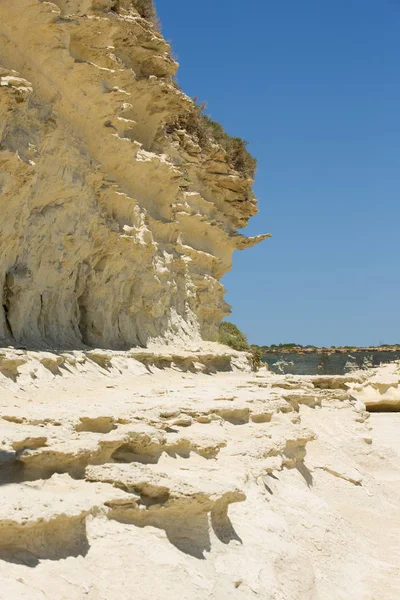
[{"x": 121, "y": 479}]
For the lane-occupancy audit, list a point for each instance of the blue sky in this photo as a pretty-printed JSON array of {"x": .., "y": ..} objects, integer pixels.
[{"x": 314, "y": 87}]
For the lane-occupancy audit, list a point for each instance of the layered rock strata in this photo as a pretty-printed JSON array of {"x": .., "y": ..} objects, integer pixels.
[
  {"x": 123, "y": 480},
  {"x": 115, "y": 228}
]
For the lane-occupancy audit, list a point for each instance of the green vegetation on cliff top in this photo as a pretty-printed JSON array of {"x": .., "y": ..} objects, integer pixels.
[
  {"x": 231, "y": 336},
  {"x": 197, "y": 123},
  {"x": 200, "y": 125},
  {"x": 146, "y": 10}
]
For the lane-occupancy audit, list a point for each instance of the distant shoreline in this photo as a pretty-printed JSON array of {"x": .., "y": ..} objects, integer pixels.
[
  {"x": 297, "y": 360},
  {"x": 297, "y": 349}
]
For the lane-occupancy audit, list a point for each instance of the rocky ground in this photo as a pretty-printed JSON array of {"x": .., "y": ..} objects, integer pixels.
[{"x": 161, "y": 475}]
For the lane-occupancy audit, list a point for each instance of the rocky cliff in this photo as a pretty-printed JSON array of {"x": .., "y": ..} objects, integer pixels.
[
  {"x": 116, "y": 222},
  {"x": 153, "y": 472}
]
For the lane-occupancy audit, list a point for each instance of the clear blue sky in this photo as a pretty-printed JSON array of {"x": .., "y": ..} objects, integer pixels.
[{"x": 314, "y": 86}]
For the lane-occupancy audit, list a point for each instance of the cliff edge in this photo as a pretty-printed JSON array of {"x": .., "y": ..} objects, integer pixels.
[{"x": 117, "y": 220}]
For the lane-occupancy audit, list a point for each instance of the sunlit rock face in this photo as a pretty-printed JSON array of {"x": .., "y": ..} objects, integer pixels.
[{"x": 115, "y": 229}]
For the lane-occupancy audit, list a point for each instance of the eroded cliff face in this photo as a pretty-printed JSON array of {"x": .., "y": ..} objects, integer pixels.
[{"x": 115, "y": 227}]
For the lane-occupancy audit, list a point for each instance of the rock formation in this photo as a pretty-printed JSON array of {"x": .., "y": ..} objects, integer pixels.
[
  {"x": 153, "y": 472},
  {"x": 116, "y": 225},
  {"x": 122, "y": 480}
]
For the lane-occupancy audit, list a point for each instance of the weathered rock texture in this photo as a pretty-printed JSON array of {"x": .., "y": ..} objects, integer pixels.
[
  {"x": 121, "y": 480},
  {"x": 115, "y": 229}
]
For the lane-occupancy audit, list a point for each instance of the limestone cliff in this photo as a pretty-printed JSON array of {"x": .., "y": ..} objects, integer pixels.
[{"x": 116, "y": 226}]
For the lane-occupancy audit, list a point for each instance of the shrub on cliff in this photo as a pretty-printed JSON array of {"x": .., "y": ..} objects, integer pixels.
[
  {"x": 231, "y": 336},
  {"x": 256, "y": 357},
  {"x": 205, "y": 130},
  {"x": 145, "y": 8},
  {"x": 235, "y": 147}
]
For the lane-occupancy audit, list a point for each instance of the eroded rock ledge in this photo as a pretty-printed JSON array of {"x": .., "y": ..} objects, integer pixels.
[
  {"x": 123, "y": 480},
  {"x": 115, "y": 229}
]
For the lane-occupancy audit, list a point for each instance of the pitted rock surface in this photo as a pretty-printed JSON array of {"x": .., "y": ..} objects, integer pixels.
[{"x": 125, "y": 479}]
